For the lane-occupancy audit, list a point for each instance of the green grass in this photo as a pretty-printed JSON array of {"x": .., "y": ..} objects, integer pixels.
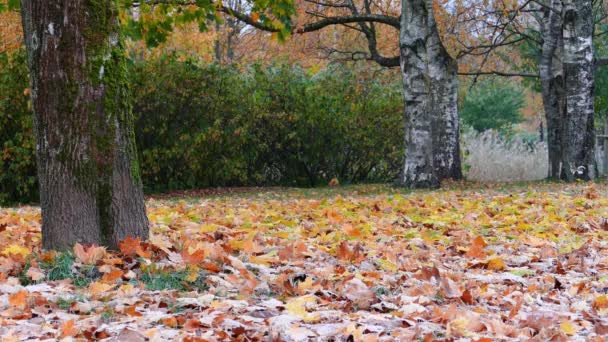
[
  {"x": 63, "y": 267},
  {"x": 173, "y": 280}
]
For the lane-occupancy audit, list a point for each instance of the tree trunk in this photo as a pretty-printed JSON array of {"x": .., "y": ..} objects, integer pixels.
[
  {"x": 444, "y": 90},
  {"x": 578, "y": 155},
  {"x": 551, "y": 76},
  {"x": 430, "y": 91},
  {"x": 90, "y": 190}
]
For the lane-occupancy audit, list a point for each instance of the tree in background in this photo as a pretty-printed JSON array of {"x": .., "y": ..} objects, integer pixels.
[
  {"x": 493, "y": 105},
  {"x": 557, "y": 36}
]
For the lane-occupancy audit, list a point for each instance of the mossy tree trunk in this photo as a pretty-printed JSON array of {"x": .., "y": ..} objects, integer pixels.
[{"x": 90, "y": 189}]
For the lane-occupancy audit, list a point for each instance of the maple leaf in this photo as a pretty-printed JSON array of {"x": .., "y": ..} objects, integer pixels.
[
  {"x": 496, "y": 264},
  {"x": 476, "y": 250},
  {"x": 193, "y": 258},
  {"x": 132, "y": 311},
  {"x": 129, "y": 246},
  {"x": 35, "y": 274},
  {"x": 96, "y": 288},
  {"x": 112, "y": 276},
  {"x": 68, "y": 329},
  {"x": 19, "y": 299},
  {"x": 133, "y": 246},
  {"x": 89, "y": 255}
]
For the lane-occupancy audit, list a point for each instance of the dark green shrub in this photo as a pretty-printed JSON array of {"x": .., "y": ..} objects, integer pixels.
[
  {"x": 206, "y": 125},
  {"x": 17, "y": 160},
  {"x": 201, "y": 125}
]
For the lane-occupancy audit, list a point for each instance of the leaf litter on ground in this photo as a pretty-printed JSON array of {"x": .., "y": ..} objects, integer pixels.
[{"x": 362, "y": 263}]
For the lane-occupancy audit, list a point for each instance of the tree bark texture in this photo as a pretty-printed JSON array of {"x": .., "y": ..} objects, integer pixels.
[
  {"x": 90, "y": 189},
  {"x": 430, "y": 92},
  {"x": 552, "y": 83},
  {"x": 578, "y": 150},
  {"x": 566, "y": 71}
]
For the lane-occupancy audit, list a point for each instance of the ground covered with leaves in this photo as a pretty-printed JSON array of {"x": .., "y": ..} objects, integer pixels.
[{"x": 365, "y": 263}]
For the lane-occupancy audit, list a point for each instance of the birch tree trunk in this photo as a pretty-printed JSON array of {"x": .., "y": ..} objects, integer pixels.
[
  {"x": 552, "y": 83},
  {"x": 578, "y": 148},
  {"x": 90, "y": 190},
  {"x": 430, "y": 91}
]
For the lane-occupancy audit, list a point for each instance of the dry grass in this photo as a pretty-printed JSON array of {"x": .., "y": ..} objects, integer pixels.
[{"x": 489, "y": 157}]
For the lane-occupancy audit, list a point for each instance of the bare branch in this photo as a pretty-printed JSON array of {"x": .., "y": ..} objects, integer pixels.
[{"x": 498, "y": 73}]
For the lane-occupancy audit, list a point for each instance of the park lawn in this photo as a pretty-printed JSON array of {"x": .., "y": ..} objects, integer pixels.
[{"x": 372, "y": 262}]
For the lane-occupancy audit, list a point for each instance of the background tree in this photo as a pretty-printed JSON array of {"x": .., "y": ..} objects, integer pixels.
[
  {"x": 557, "y": 35},
  {"x": 493, "y": 105}
]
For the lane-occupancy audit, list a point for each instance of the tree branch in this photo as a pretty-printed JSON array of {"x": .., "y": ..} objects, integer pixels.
[
  {"x": 498, "y": 73},
  {"x": 378, "y": 18}
]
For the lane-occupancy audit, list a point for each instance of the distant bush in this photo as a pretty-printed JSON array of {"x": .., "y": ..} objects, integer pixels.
[
  {"x": 493, "y": 104},
  {"x": 208, "y": 125},
  {"x": 490, "y": 157},
  {"x": 17, "y": 161}
]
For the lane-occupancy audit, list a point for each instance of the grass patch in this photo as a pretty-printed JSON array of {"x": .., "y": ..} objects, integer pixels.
[
  {"x": 174, "y": 280},
  {"x": 62, "y": 267}
]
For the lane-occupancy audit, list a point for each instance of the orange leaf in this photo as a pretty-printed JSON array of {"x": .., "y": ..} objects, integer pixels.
[
  {"x": 601, "y": 302},
  {"x": 476, "y": 249},
  {"x": 129, "y": 246},
  {"x": 19, "y": 299},
  {"x": 111, "y": 276},
  {"x": 352, "y": 231},
  {"x": 192, "y": 324},
  {"x": 195, "y": 258},
  {"x": 170, "y": 322},
  {"x": 68, "y": 329},
  {"x": 211, "y": 267},
  {"x": 131, "y": 311}
]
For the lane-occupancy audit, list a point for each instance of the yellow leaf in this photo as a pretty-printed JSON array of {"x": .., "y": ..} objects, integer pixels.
[
  {"x": 298, "y": 306},
  {"x": 387, "y": 265},
  {"x": 496, "y": 264},
  {"x": 192, "y": 276},
  {"x": 16, "y": 250},
  {"x": 208, "y": 228},
  {"x": 306, "y": 284},
  {"x": 568, "y": 328},
  {"x": 96, "y": 288}
]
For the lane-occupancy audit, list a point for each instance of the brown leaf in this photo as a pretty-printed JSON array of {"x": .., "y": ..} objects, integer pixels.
[
  {"x": 467, "y": 297},
  {"x": 477, "y": 248},
  {"x": 450, "y": 288}
]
